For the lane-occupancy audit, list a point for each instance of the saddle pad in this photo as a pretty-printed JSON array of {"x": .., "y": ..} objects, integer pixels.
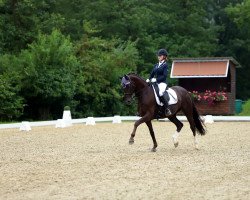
[{"x": 172, "y": 97}]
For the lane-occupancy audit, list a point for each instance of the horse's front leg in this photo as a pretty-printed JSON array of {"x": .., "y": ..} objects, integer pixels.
[
  {"x": 145, "y": 118},
  {"x": 150, "y": 128}
]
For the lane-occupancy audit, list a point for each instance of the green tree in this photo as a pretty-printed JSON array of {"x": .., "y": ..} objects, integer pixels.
[
  {"x": 49, "y": 71},
  {"x": 103, "y": 61},
  {"x": 20, "y": 22},
  {"x": 11, "y": 102},
  {"x": 239, "y": 45}
]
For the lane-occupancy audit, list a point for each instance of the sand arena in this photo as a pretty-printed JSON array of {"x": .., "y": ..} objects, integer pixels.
[{"x": 96, "y": 162}]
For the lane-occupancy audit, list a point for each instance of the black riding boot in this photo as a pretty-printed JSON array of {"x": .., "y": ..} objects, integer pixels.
[{"x": 165, "y": 99}]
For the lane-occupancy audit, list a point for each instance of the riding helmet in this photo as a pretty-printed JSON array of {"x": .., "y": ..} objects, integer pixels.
[{"x": 162, "y": 52}]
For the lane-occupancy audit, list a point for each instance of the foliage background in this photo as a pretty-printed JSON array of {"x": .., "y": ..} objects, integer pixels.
[{"x": 55, "y": 53}]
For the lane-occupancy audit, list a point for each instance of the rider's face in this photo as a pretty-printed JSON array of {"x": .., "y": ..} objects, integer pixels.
[{"x": 161, "y": 58}]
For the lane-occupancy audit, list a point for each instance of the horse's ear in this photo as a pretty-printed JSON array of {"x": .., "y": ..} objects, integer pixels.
[{"x": 126, "y": 77}]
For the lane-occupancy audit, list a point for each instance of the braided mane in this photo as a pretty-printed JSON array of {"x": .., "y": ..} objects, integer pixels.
[{"x": 133, "y": 73}]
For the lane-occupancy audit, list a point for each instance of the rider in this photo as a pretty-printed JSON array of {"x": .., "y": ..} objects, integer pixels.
[{"x": 160, "y": 71}]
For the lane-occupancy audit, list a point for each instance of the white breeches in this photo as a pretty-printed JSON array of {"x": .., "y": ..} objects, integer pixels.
[{"x": 162, "y": 88}]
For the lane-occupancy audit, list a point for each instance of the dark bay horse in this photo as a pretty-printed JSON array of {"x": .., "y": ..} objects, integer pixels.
[{"x": 148, "y": 109}]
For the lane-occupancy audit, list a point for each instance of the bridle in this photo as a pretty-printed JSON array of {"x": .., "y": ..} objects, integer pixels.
[
  {"x": 131, "y": 88},
  {"x": 131, "y": 91}
]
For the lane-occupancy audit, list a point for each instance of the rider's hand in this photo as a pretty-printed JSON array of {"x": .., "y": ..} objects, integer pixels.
[
  {"x": 147, "y": 80},
  {"x": 153, "y": 80}
]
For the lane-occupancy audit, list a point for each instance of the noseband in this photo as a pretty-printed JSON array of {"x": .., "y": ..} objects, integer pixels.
[
  {"x": 127, "y": 82},
  {"x": 131, "y": 86},
  {"x": 131, "y": 91}
]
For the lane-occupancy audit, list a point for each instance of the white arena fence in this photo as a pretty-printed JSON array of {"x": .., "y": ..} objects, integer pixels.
[{"x": 118, "y": 119}]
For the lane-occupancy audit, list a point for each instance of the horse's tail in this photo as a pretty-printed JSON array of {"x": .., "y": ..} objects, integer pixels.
[{"x": 199, "y": 125}]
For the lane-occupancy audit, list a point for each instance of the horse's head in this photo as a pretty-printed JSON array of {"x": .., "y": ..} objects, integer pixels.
[{"x": 128, "y": 88}]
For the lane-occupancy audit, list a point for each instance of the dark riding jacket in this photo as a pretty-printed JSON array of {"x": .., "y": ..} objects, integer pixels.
[{"x": 160, "y": 72}]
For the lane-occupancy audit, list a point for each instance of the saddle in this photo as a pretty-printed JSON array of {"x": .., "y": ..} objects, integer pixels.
[
  {"x": 157, "y": 90},
  {"x": 172, "y": 94}
]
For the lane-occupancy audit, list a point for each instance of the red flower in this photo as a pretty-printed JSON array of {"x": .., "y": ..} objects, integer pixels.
[{"x": 209, "y": 97}]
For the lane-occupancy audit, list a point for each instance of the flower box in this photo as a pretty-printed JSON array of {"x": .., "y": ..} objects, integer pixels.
[
  {"x": 213, "y": 103},
  {"x": 218, "y": 108}
]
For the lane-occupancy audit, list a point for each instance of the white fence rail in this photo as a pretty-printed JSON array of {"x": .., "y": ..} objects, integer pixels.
[{"x": 123, "y": 118}]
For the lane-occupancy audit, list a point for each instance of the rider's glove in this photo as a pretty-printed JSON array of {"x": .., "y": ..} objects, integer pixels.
[
  {"x": 153, "y": 80},
  {"x": 147, "y": 80}
]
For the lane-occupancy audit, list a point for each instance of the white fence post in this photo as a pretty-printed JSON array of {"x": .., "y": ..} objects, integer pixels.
[
  {"x": 67, "y": 118},
  {"x": 90, "y": 121},
  {"x": 25, "y": 126},
  {"x": 209, "y": 119},
  {"x": 60, "y": 123},
  {"x": 117, "y": 119}
]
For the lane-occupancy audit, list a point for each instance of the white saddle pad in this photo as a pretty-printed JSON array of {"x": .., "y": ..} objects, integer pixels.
[{"x": 172, "y": 96}]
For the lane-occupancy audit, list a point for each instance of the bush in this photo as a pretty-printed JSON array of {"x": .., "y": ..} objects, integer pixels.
[
  {"x": 66, "y": 108},
  {"x": 246, "y": 109}
]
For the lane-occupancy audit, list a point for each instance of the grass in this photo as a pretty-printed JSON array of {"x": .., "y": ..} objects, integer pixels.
[
  {"x": 245, "y": 109},
  {"x": 8, "y": 122}
]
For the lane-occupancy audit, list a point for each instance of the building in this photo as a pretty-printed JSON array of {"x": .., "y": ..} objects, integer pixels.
[{"x": 213, "y": 74}]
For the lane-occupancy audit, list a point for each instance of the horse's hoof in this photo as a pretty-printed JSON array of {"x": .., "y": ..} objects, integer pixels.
[
  {"x": 176, "y": 144},
  {"x": 153, "y": 150},
  {"x": 131, "y": 142}
]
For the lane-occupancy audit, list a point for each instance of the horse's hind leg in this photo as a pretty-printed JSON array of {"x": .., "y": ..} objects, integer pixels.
[
  {"x": 150, "y": 128},
  {"x": 188, "y": 111},
  {"x": 192, "y": 127},
  {"x": 179, "y": 126}
]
